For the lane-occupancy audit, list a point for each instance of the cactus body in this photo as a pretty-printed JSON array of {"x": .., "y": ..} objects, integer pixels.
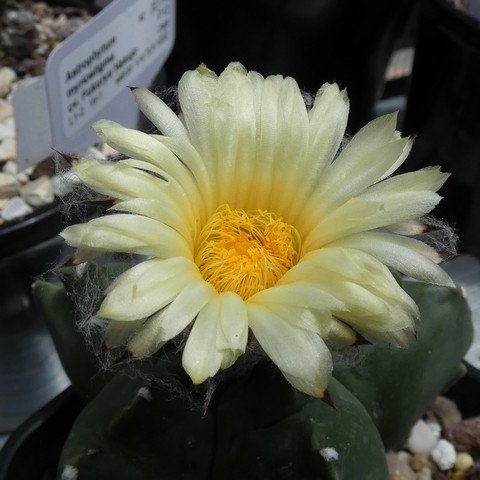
[{"x": 257, "y": 426}]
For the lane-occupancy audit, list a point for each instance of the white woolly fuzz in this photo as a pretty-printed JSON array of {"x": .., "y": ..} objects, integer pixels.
[
  {"x": 329, "y": 454},
  {"x": 70, "y": 473},
  {"x": 144, "y": 392}
]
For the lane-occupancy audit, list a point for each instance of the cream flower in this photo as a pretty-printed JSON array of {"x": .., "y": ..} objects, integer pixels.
[{"x": 251, "y": 220}]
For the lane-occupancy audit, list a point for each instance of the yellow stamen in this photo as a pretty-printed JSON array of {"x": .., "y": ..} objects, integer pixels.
[{"x": 245, "y": 252}]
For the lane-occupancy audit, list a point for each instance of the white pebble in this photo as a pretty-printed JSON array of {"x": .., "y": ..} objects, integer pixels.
[
  {"x": 329, "y": 454},
  {"x": 435, "y": 427},
  {"x": 7, "y": 129},
  {"x": 444, "y": 455},
  {"x": 16, "y": 207},
  {"x": 6, "y": 110},
  {"x": 39, "y": 192},
  {"x": 8, "y": 149},
  {"x": 22, "y": 178},
  {"x": 423, "y": 437},
  {"x": 7, "y": 77},
  {"x": 10, "y": 168},
  {"x": 8, "y": 185}
]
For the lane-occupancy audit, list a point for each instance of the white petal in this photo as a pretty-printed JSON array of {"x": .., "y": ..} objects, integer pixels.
[
  {"x": 194, "y": 93},
  {"x": 147, "y": 340},
  {"x": 398, "y": 338},
  {"x": 188, "y": 199},
  {"x": 362, "y": 213},
  {"x": 341, "y": 333},
  {"x": 141, "y": 146},
  {"x": 281, "y": 139},
  {"x": 117, "y": 333},
  {"x": 327, "y": 123},
  {"x": 374, "y": 300},
  {"x": 119, "y": 180},
  {"x": 364, "y": 270},
  {"x": 301, "y": 355},
  {"x": 220, "y": 118},
  {"x": 181, "y": 312},
  {"x": 407, "y": 255},
  {"x": 146, "y": 288},
  {"x": 328, "y": 120},
  {"x": 299, "y": 294},
  {"x": 116, "y": 180},
  {"x": 410, "y": 227},
  {"x": 172, "y": 320},
  {"x": 376, "y": 133},
  {"x": 201, "y": 357},
  {"x": 361, "y": 152},
  {"x": 341, "y": 182},
  {"x": 316, "y": 321},
  {"x": 129, "y": 234},
  {"x": 429, "y": 178},
  {"x": 159, "y": 113},
  {"x": 186, "y": 152},
  {"x": 369, "y": 313},
  {"x": 232, "y": 333},
  {"x": 157, "y": 211}
]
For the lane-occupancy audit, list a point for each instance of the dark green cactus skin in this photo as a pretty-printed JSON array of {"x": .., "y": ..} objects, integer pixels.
[
  {"x": 268, "y": 430},
  {"x": 77, "y": 360},
  {"x": 122, "y": 435},
  {"x": 255, "y": 428},
  {"x": 55, "y": 301},
  {"x": 397, "y": 386}
]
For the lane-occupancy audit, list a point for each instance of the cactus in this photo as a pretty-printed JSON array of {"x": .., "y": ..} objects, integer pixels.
[
  {"x": 134, "y": 429},
  {"x": 266, "y": 429},
  {"x": 257, "y": 426}
]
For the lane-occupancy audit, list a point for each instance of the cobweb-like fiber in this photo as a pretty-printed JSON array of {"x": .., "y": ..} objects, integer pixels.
[{"x": 440, "y": 235}]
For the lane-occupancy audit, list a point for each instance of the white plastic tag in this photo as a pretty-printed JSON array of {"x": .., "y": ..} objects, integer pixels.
[{"x": 87, "y": 76}]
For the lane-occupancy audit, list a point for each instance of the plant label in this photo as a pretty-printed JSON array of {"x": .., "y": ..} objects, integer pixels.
[{"x": 87, "y": 76}]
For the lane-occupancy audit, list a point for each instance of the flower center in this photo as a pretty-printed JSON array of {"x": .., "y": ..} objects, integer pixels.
[{"x": 246, "y": 252}]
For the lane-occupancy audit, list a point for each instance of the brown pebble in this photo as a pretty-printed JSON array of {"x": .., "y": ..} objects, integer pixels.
[
  {"x": 398, "y": 466},
  {"x": 419, "y": 461},
  {"x": 460, "y": 475},
  {"x": 447, "y": 411},
  {"x": 424, "y": 474},
  {"x": 465, "y": 435}
]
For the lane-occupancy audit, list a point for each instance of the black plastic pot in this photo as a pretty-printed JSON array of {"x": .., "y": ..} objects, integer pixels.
[
  {"x": 30, "y": 370},
  {"x": 348, "y": 41},
  {"x": 444, "y": 110},
  {"x": 33, "y": 450}
]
